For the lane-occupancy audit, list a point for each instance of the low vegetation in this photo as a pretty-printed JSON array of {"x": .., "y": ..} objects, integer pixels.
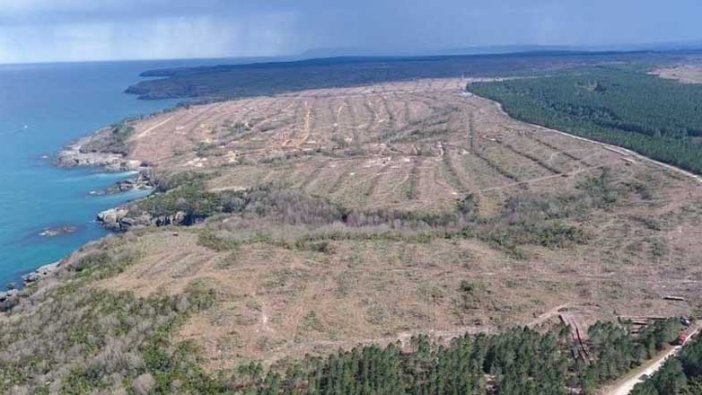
[
  {"x": 113, "y": 140},
  {"x": 110, "y": 342},
  {"x": 524, "y": 220},
  {"x": 72, "y": 339}
]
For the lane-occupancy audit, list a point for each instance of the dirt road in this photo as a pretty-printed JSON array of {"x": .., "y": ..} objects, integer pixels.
[{"x": 627, "y": 384}]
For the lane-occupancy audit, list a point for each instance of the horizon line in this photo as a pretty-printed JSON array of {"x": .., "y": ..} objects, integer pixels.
[{"x": 669, "y": 46}]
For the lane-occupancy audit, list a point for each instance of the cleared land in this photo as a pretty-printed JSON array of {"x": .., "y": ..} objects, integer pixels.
[
  {"x": 415, "y": 146},
  {"x": 337, "y": 217},
  {"x": 688, "y": 74}
]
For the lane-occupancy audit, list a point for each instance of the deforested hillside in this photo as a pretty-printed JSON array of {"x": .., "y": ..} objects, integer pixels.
[{"x": 372, "y": 239}]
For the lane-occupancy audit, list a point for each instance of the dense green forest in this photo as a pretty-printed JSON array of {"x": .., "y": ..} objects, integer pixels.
[
  {"x": 659, "y": 118},
  {"x": 680, "y": 375},
  {"x": 516, "y": 362}
]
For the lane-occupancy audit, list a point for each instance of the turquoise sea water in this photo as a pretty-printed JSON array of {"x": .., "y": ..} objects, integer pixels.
[{"x": 42, "y": 108}]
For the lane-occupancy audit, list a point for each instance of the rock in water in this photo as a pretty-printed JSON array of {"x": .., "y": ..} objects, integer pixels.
[{"x": 58, "y": 231}]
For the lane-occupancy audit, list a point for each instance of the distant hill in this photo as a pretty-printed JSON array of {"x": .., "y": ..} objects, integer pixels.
[
  {"x": 502, "y": 49},
  {"x": 267, "y": 78}
]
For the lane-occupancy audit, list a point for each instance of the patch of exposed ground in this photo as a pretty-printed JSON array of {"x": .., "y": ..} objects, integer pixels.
[{"x": 687, "y": 74}]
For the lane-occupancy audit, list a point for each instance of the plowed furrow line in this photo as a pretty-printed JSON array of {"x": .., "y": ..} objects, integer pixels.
[
  {"x": 412, "y": 181},
  {"x": 533, "y": 158},
  {"x": 353, "y": 118},
  {"x": 559, "y": 150},
  {"x": 454, "y": 178},
  {"x": 372, "y": 118},
  {"x": 340, "y": 180},
  {"x": 313, "y": 175},
  {"x": 375, "y": 180},
  {"x": 493, "y": 165}
]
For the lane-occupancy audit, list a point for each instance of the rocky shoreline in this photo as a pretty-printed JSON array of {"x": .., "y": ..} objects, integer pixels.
[
  {"x": 10, "y": 298},
  {"x": 75, "y": 155},
  {"x": 40, "y": 273},
  {"x": 142, "y": 181},
  {"x": 119, "y": 219}
]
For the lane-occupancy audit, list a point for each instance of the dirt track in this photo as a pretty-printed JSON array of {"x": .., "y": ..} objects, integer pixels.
[
  {"x": 625, "y": 385},
  {"x": 640, "y": 374}
]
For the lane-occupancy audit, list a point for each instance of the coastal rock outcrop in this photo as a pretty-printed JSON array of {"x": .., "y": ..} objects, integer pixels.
[
  {"x": 8, "y": 299},
  {"x": 119, "y": 219},
  {"x": 11, "y": 297},
  {"x": 141, "y": 182},
  {"x": 40, "y": 273},
  {"x": 76, "y": 155},
  {"x": 111, "y": 219}
]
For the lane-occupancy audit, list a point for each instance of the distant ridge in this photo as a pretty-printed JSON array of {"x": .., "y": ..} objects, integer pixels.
[
  {"x": 366, "y": 58},
  {"x": 217, "y": 82},
  {"x": 503, "y": 49}
]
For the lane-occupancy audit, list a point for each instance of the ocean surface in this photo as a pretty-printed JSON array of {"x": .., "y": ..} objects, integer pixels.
[{"x": 42, "y": 108}]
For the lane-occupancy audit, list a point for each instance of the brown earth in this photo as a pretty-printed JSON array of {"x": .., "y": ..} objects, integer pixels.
[{"x": 418, "y": 145}]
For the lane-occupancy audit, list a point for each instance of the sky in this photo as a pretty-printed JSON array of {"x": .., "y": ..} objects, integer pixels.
[{"x": 78, "y": 30}]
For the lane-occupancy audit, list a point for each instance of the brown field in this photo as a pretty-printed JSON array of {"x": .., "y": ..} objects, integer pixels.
[
  {"x": 418, "y": 145},
  {"x": 688, "y": 74}
]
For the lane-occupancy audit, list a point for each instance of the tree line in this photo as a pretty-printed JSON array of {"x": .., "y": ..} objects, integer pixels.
[
  {"x": 659, "y": 118},
  {"x": 520, "y": 361},
  {"x": 680, "y": 375}
]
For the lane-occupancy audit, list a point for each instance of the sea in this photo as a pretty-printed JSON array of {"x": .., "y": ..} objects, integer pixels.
[{"x": 43, "y": 107}]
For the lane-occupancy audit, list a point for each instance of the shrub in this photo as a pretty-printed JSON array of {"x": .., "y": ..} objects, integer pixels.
[
  {"x": 144, "y": 384},
  {"x": 209, "y": 239}
]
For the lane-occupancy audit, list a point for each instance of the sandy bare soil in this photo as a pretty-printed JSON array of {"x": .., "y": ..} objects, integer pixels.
[{"x": 418, "y": 145}]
